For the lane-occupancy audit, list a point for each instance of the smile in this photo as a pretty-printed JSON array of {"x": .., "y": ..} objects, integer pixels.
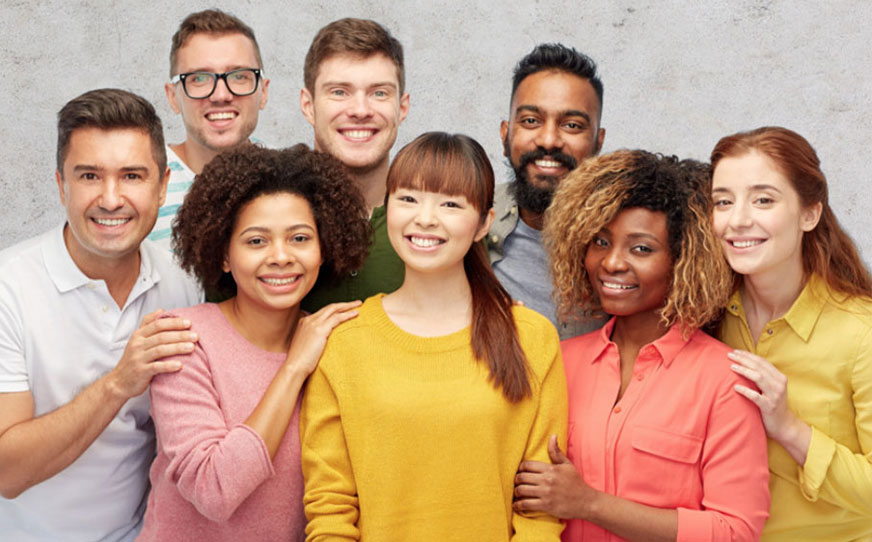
[
  {"x": 547, "y": 163},
  {"x": 617, "y": 286},
  {"x": 281, "y": 281},
  {"x": 111, "y": 221},
  {"x": 425, "y": 242},
  {"x": 746, "y": 244},
  {"x": 358, "y": 134},
  {"x": 221, "y": 115}
]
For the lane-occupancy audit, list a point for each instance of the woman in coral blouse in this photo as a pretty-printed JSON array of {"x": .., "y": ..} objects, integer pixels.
[
  {"x": 801, "y": 316},
  {"x": 660, "y": 446},
  {"x": 423, "y": 406},
  {"x": 257, "y": 227}
]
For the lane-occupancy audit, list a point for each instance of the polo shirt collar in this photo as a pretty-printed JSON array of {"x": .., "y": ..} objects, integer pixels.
[
  {"x": 67, "y": 276},
  {"x": 666, "y": 347}
]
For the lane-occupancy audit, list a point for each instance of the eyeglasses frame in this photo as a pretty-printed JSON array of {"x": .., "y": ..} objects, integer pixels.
[{"x": 180, "y": 78}]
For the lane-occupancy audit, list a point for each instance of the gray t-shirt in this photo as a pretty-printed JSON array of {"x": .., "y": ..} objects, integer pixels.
[{"x": 523, "y": 271}]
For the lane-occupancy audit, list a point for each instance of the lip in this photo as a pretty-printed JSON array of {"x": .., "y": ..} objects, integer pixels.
[
  {"x": 110, "y": 222},
  {"x": 228, "y": 116},
  {"x": 281, "y": 283},
  {"x": 611, "y": 287},
  {"x": 743, "y": 244},
  {"x": 548, "y": 166},
  {"x": 426, "y": 243},
  {"x": 358, "y": 134}
]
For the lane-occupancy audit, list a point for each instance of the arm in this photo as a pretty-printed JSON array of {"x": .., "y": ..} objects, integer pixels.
[
  {"x": 331, "y": 492},
  {"x": 551, "y": 421},
  {"x": 735, "y": 478},
  {"x": 35, "y": 449}
]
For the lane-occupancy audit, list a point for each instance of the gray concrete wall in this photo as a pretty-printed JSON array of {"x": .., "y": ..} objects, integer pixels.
[{"x": 678, "y": 75}]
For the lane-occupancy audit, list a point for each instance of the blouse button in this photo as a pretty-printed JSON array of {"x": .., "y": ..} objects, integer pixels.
[
  {"x": 617, "y": 410},
  {"x": 769, "y": 331},
  {"x": 353, "y": 273},
  {"x": 640, "y": 377},
  {"x": 734, "y": 307}
]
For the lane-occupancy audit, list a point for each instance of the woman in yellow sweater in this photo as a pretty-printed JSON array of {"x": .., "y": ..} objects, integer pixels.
[
  {"x": 422, "y": 407},
  {"x": 802, "y": 317}
]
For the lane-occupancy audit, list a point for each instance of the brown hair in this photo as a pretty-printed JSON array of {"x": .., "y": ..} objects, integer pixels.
[
  {"x": 210, "y": 21},
  {"x": 826, "y": 250},
  {"x": 457, "y": 165},
  {"x": 203, "y": 225},
  {"x": 357, "y": 37},
  {"x": 592, "y": 196},
  {"x": 110, "y": 109}
]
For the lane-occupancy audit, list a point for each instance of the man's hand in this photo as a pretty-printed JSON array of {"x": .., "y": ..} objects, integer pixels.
[{"x": 157, "y": 338}]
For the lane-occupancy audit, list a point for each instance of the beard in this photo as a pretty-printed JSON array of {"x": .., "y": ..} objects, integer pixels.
[{"x": 536, "y": 199}]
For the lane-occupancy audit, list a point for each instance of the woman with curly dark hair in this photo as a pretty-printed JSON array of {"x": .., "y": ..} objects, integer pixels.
[
  {"x": 660, "y": 447},
  {"x": 258, "y": 226}
]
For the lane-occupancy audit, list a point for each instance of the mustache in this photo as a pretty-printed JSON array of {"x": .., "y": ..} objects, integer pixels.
[{"x": 565, "y": 160}]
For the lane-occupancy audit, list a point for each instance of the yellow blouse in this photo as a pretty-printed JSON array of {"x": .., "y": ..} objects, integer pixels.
[{"x": 824, "y": 346}]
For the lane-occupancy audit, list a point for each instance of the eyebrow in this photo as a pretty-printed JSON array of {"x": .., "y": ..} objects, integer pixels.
[
  {"x": 87, "y": 167},
  {"x": 752, "y": 187},
  {"x": 229, "y": 69},
  {"x": 301, "y": 226},
  {"x": 565, "y": 113},
  {"x": 349, "y": 84},
  {"x": 637, "y": 235}
]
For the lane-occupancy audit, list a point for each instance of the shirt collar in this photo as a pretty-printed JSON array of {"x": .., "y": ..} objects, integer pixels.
[
  {"x": 666, "y": 347},
  {"x": 802, "y": 315}
]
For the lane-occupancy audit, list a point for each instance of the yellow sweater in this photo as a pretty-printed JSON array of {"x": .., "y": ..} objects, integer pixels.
[
  {"x": 824, "y": 346},
  {"x": 404, "y": 438}
]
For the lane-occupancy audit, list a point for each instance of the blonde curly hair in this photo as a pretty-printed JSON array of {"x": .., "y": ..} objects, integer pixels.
[{"x": 592, "y": 195}]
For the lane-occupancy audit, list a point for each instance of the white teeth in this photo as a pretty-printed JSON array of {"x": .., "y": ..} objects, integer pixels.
[
  {"x": 111, "y": 221},
  {"x": 225, "y": 115},
  {"x": 279, "y": 282},
  {"x": 616, "y": 286},
  {"x": 547, "y": 163},
  {"x": 358, "y": 134},
  {"x": 425, "y": 243},
  {"x": 746, "y": 244}
]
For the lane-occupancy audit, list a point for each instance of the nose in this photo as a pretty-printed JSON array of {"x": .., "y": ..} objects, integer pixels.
[
  {"x": 740, "y": 215},
  {"x": 426, "y": 215},
  {"x": 280, "y": 254},
  {"x": 613, "y": 260},
  {"x": 548, "y": 137},
  {"x": 222, "y": 92},
  {"x": 110, "y": 195},
  {"x": 359, "y": 106}
]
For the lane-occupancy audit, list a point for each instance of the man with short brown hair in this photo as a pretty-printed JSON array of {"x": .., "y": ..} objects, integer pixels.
[
  {"x": 355, "y": 100},
  {"x": 217, "y": 85}
]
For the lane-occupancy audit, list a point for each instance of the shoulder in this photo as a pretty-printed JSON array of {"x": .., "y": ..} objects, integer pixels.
[
  {"x": 23, "y": 267},
  {"x": 538, "y": 338},
  {"x": 178, "y": 288},
  {"x": 707, "y": 357},
  {"x": 24, "y": 254},
  {"x": 505, "y": 216}
]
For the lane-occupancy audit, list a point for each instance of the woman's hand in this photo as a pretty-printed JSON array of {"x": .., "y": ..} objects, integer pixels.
[
  {"x": 312, "y": 331},
  {"x": 557, "y": 489},
  {"x": 781, "y": 424}
]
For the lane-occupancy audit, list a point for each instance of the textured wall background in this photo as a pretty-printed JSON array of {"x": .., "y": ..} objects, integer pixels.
[{"x": 678, "y": 75}]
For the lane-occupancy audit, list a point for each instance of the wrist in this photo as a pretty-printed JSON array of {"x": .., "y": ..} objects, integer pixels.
[
  {"x": 590, "y": 504},
  {"x": 110, "y": 388}
]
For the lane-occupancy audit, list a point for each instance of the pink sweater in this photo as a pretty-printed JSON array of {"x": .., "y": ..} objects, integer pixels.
[{"x": 212, "y": 478}]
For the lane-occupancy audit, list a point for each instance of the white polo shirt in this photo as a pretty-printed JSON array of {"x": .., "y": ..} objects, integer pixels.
[{"x": 59, "y": 332}]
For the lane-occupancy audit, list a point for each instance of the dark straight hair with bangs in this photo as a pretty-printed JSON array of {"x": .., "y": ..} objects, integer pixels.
[{"x": 455, "y": 164}]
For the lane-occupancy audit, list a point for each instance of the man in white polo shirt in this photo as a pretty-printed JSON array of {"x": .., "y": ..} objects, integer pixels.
[{"x": 76, "y": 440}]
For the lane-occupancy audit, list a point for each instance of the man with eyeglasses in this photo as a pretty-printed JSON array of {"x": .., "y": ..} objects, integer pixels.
[{"x": 218, "y": 86}]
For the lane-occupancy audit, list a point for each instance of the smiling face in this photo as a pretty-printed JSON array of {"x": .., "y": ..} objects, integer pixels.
[
  {"x": 112, "y": 188},
  {"x": 274, "y": 253},
  {"x": 629, "y": 264},
  {"x": 356, "y": 109},
  {"x": 758, "y": 216},
  {"x": 554, "y": 125},
  {"x": 432, "y": 232},
  {"x": 222, "y": 120}
]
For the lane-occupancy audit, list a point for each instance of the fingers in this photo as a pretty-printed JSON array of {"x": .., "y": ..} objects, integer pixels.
[
  {"x": 533, "y": 466},
  {"x": 150, "y": 317},
  {"x": 750, "y": 394},
  {"x": 528, "y": 505},
  {"x": 337, "y": 307},
  {"x": 159, "y": 367},
  {"x": 554, "y": 452}
]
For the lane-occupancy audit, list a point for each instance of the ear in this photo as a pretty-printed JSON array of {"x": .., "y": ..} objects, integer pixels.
[
  {"x": 600, "y": 137},
  {"x": 225, "y": 264},
  {"x": 60, "y": 180},
  {"x": 810, "y": 216},
  {"x": 170, "y": 90},
  {"x": 504, "y": 134},
  {"x": 164, "y": 182},
  {"x": 307, "y": 105},
  {"x": 404, "y": 106},
  {"x": 485, "y": 225},
  {"x": 264, "y": 93}
]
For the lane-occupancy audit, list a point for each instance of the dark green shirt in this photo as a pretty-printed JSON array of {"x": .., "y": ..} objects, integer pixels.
[{"x": 382, "y": 272}]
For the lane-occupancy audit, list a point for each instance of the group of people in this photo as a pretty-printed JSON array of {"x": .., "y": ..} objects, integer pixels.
[{"x": 381, "y": 357}]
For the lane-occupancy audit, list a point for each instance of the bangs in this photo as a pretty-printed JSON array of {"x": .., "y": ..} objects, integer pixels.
[{"x": 445, "y": 164}]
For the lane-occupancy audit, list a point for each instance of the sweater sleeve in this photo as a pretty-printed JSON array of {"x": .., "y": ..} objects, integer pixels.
[
  {"x": 214, "y": 467},
  {"x": 735, "y": 474},
  {"x": 551, "y": 419},
  {"x": 832, "y": 471},
  {"x": 330, "y": 497}
]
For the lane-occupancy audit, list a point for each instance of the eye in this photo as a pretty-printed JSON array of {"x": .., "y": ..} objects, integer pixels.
[
  {"x": 338, "y": 93},
  {"x": 406, "y": 198},
  {"x": 88, "y": 176},
  {"x": 575, "y": 126},
  {"x": 132, "y": 177},
  {"x": 642, "y": 249},
  {"x": 764, "y": 200},
  {"x": 199, "y": 78},
  {"x": 300, "y": 238},
  {"x": 381, "y": 94},
  {"x": 256, "y": 241},
  {"x": 599, "y": 241},
  {"x": 452, "y": 204},
  {"x": 529, "y": 121},
  {"x": 722, "y": 202}
]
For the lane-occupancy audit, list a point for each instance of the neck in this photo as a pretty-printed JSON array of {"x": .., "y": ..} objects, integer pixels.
[
  {"x": 119, "y": 274},
  {"x": 193, "y": 155},
  {"x": 534, "y": 220},
  {"x": 770, "y": 295},
  {"x": 372, "y": 183},
  {"x": 431, "y": 304},
  {"x": 269, "y": 330},
  {"x": 636, "y": 330}
]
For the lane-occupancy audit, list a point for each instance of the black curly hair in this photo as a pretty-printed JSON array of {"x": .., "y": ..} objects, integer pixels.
[{"x": 202, "y": 227}]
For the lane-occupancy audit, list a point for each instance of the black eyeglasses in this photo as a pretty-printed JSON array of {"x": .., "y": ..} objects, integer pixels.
[{"x": 200, "y": 85}]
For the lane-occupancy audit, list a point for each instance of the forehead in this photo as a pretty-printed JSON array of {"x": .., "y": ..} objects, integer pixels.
[
  {"x": 216, "y": 52},
  {"x": 114, "y": 148},
  {"x": 554, "y": 91},
  {"x": 357, "y": 70},
  {"x": 640, "y": 220},
  {"x": 747, "y": 170},
  {"x": 280, "y": 209}
]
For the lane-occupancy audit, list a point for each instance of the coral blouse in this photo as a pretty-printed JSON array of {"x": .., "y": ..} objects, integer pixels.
[{"x": 679, "y": 438}]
